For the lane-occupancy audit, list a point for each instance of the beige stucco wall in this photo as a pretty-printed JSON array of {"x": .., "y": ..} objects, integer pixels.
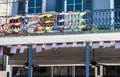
[{"x": 2, "y": 74}]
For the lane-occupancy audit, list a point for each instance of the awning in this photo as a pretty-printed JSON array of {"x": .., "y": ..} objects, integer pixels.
[{"x": 48, "y": 46}]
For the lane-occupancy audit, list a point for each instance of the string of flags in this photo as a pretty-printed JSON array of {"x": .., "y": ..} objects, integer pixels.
[
  {"x": 48, "y": 46},
  {"x": 45, "y": 22}
]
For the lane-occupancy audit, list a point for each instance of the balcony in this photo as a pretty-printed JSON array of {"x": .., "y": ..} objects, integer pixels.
[
  {"x": 53, "y": 23},
  {"x": 85, "y": 25}
]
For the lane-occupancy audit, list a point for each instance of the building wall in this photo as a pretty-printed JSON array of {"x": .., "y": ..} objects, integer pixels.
[
  {"x": 101, "y": 4},
  {"x": 8, "y": 8},
  {"x": 50, "y": 5}
]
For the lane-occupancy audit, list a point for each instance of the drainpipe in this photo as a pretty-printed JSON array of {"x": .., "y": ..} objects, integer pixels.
[
  {"x": 30, "y": 61},
  {"x": 87, "y": 58}
]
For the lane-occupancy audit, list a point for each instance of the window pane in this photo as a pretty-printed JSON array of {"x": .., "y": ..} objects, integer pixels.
[
  {"x": 30, "y": 10},
  {"x": 78, "y": 1},
  {"x": 70, "y": 8},
  {"x": 70, "y": 1},
  {"x": 31, "y": 3},
  {"x": 63, "y": 71},
  {"x": 87, "y": 6},
  {"x": 38, "y": 3},
  {"x": 78, "y": 7},
  {"x": 38, "y": 10}
]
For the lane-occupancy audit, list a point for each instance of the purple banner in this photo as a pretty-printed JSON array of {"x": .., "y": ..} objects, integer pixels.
[
  {"x": 95, "y": 45},
  {"x": 48, "y": 46},
  {"x": 117, "y": 44},
  {"x": 59, "y": 45},
  {"x": 79, "y": 44},
  {"x": 13, "y": 49},
  {"x": 39, "y": 48},
  {"x": 69, "y": 44},
  {"x": 22, "y": 48},
  {"x": 1, "y": 51},
  {"x": 106, "y": 44}
]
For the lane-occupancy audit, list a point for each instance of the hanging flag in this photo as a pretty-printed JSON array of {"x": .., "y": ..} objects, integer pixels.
[
  {"x": 13, "y": 49},
  {"x": 117, "y": 44},
  {"x": 106, "y": 44},
  {"x": 39, "y": 48},
  {"x": 69, "y": 44},
  {"x": 59, "y": 45},
  {"x": 48, "y": 46},
  {"x": 22, "y": 48},
  {"x": 95, "y": 45},
  {"x": 1, "y": 51},
  {"x": 79, "y": 44}
]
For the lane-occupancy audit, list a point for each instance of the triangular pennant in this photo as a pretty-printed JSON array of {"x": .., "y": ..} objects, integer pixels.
[
  {"x": 22, "y": 48},
  {"x": 95, "y": 45},
  {"x": 79, "y": 44},
  {"x": 106, "y": 44},
  {"x": 1, "y": 51},
  {"x": 69, "y": 44},
  {"x": 48, "y": 46},
  {"x": 117, "y": 44},
  {"x": 13, "y": 49},
  {"x": 39, "y": 48},
  {"x": 59, "y": 45}
]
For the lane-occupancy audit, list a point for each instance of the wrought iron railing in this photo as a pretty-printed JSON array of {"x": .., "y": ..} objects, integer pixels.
[{"x": 88, "y": 21}]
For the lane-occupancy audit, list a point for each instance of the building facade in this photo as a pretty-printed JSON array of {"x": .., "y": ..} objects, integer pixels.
[
  {"x": 38, "y": 6},
  {"x": 71, "y": 58}
]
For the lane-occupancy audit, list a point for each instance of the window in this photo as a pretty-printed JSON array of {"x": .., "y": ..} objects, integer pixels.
[
  {"x": 79, "y": 5},
  {"x": 62, "y": 71},
  {"x": 113, "y": 71},
  {"x": 74, "y": 5},
  {"x": 2, "y": 63},
  {"x": 70, "y": 8},
  {"x": 117, "y": 3},
  {"x": 21, "y": 7},
  {"x": 34, "y": 6},
  {"x": 70, "y": 1},
  {"x": 87, "y": 4},
  {"x": 78, "y": 1}
]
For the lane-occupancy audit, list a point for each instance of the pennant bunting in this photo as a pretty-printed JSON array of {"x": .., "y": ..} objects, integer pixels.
[
  {"x": 13, "y": 49},
  {"x": 48, "y": 46},
  {"x": 117, "y": 44},
  {"x": 39, "y": 48},
  {"x": 95, "y": 45},
  {"x": 79, "y": 44},
  {"x": 106, "y": 44},
  {"x": 59, "y": 45},
  {"x": 69, "y": 44},
  {"x": 1, "y": 51},
  {"x": 22, "y": 48}
]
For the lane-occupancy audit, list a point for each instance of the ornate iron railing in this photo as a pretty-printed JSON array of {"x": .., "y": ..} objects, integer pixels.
[{"x": 88, "y": 21}]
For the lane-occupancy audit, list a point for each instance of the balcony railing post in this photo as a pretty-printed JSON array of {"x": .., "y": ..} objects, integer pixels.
[
  {"x": 30, "y": 61},
  {"x": 87, "y": 58}
]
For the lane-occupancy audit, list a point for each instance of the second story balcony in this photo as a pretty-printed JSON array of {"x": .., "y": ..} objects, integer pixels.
[
  {"x": 54, "y": 23},
  {"x": 54, "y": 27}
]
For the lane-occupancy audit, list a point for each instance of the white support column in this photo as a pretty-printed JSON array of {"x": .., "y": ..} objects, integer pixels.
[
  {"x": 101, "y": 71},
  {"x": 52, "y": 71},
  {"x": 8, "y": 67},
  {"x": 65, "y": 5},
  {"x": 73, "y": 71},
  {"x": 43, "y": 5},
  {"x": 82, "y": 6},
  {"x": 96, "y": 72},
  {"x": 111, "y": 4},
  {"x": 112, "y": 12},
  {"x": 26, "y": 7}
]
